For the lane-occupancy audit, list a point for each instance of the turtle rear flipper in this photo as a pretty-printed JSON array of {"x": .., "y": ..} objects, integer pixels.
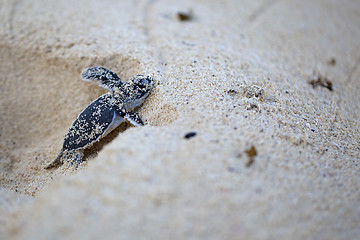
[
  {"x": 57, "y": 161},
  {"x": 73, "y": 158},
  {"x": 70, "y": 158},
  {"x": 106, "y": 78}
]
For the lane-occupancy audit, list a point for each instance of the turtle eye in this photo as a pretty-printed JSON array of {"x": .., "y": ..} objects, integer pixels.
[{"x": 142, "y": 83}]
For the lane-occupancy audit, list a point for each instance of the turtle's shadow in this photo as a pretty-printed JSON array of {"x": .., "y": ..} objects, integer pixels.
[{"x": 93, "y": 151}]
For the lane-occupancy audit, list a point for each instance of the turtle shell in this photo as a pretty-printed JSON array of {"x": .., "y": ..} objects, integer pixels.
[{"x": 93, "y": 122}]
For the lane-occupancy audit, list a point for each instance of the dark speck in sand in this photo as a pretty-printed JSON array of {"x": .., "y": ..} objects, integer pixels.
[
  {"x": 319, "y": 80},
  {"x": 190, "y": 135},
  {"x": 251, "y": 154},
  {"x": 185, "y": 16},
  {"x": 332, "y": 62}
]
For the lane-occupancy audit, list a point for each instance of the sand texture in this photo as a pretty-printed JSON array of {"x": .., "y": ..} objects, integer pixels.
[{"x": 269, "y": 90}]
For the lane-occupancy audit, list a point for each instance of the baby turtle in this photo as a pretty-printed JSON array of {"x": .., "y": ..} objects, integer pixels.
[{"x": 104, "y": 114}]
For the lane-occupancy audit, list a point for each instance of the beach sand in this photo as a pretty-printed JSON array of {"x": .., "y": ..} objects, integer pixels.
[{"x": 269, "y": 89}]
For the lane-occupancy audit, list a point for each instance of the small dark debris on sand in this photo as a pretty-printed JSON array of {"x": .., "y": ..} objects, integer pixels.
[
  {"x": 332, "y": 62},
  {"x": 319, "y": 80},
  {"x": 254, "y": 91},
  {"x": 185, "y": 16},
  {"x": 251, "y": 154},
  {"x": 252, "y": 106},
  {"x": 248, "y": 91},
  {"x": 190, "y": 135},
  {"x": 232, "y": 92}
]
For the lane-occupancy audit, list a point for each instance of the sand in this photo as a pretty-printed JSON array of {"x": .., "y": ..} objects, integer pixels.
[{"x": 270, "y": 90}]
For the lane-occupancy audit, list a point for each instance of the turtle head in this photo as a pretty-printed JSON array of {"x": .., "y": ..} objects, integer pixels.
[{"x": 137, "y": 89}]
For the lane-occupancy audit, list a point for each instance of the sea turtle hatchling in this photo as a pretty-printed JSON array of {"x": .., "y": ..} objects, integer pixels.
[{"x": 104, "y": 114}]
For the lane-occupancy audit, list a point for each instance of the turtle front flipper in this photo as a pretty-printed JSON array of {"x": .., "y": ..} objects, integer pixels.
[
  {"x": 134, "y": 119},
  {"x": 131, "y": 117},
  {"x": 106, "y": 78}
]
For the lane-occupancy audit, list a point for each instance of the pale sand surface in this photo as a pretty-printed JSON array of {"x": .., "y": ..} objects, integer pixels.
[{"x": 152, "y": 183}]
